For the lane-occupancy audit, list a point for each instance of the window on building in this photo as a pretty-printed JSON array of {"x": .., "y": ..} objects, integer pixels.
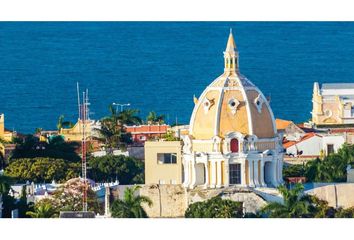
[
  {"x": 234, "y": 145},
  {"x": 330, "y": 149},
  {"x": 167, "y": 158},
  {"x": 235, "y": 173}
]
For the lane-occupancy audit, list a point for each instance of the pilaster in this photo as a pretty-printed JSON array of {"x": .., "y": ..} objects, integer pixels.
[{"x": 219, "y": 174}]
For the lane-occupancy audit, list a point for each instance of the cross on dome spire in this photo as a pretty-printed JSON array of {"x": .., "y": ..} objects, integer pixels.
[{"x": 231, "y": 54}]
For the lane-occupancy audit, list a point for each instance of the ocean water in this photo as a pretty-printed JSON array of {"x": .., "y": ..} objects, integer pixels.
[{"x": 160, "y": 65}]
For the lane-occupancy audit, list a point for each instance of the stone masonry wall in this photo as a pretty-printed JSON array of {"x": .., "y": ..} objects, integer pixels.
[{"x": 171, "y": 201}]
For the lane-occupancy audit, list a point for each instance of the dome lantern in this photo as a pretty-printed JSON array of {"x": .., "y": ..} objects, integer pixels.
[{"x": 231, "y": 54}]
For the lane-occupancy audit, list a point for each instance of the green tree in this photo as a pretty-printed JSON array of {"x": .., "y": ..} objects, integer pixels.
[
  {"x": 131, "y": 205},
  {"x": 112, "y": 131},
  {"x": 128, "y": 170},
  {"x": 56, "y": 147},
  {"x": 345, "y": 213},
  {"x": 42, "y": 169},
  {"x": 215, "y": 207},
  {"x": 295, "y": 170},
  {"x": 8, "y": 201},
  {"x": 294, "y": 205},
  {"x": 169, "y": 136},
  {"x": 43, "y": 209},
  {"x": 153, "y": 118},
  {"x": 332, "y": 168},
  {"x": 22, "y": 204},
  {"x": 319, "y": 208},
  {"x": 129, "y": 117},
  {"x": 63, "y": 124}
]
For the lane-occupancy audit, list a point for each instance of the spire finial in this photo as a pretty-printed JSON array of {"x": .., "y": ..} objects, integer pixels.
[{"x": 230, "y": 46}]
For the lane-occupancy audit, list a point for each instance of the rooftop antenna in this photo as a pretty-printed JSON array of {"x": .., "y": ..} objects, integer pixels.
[
  {"x": 78, "y": 99},
  {"x": 84, "y": 166}
]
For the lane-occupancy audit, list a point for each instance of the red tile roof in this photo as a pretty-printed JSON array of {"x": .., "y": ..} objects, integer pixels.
[
  {"x": 282, "y": 124},
  {"x": 304, "y": 138}
]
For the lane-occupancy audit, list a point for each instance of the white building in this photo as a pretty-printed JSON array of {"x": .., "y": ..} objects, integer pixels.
[{"x": 314, "y": 145}]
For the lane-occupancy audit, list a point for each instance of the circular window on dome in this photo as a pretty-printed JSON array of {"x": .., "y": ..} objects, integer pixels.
[{"x": 233, "y": 104}]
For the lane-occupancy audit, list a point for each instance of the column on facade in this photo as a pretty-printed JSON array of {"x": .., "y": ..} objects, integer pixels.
[
  {"x": 255, "y": 173},
  {"x": 212, "y": 174},
  {"x": 243, "y": 173},
  {"x": 219, "y": 174},
  {"x": 250, "y": 173},
  {"x": 226, "y": 173},
  {"x": 262, "y": 183},
  {"x": 280, "y": 170},
  {"x": 194, "y": 174},
  {"x": 206, "y": 170},
  {"x": 273, "y": 172}
]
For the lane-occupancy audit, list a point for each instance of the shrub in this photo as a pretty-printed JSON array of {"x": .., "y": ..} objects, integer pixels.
[{"x": 215, "y": 207}]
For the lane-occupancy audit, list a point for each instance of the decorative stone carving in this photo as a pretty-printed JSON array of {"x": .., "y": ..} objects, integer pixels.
[
  {"x": 216, "y": 143},
  {"x": 187, "y": 144},
  {"x": 207, "y": 104}
]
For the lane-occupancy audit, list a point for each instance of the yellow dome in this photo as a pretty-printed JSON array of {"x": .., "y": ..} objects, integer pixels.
[{"x": 231, "y": 103}]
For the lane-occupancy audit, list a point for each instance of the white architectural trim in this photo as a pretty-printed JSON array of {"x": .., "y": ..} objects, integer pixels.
[
  {"x": 269, "y": 109},
  {"x": 217, "y": 112},
  {"x": 248, "y": 109},
  {"x": 206, "y": 184}
]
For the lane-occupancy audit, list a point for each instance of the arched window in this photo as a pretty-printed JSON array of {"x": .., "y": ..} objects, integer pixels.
[{"x": 234, "y": 145}]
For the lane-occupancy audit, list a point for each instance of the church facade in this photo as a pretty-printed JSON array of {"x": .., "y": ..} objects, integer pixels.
[
  {"x": 333, "y": 104},
  {"x": 232, "y": 138}
]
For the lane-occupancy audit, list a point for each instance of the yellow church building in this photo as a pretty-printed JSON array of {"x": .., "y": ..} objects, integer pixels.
[
  {"x": 232, "y": 137},
  {"x": 333, "y": 104},
  {"x": 4, "y": 134}
]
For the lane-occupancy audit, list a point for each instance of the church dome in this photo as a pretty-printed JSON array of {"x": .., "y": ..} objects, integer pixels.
[{"x": 231, "y": 103}]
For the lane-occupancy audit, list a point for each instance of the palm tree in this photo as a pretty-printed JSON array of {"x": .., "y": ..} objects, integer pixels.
[
  {"x": 63, "y": 124},
  {"x": 129, "y": 117},
  {"x": 113, "y": 132},
  {"x": 153, "y": 118},
  {"x": 44, "y": 210},
  {"x": 295, "y": 205},
  {"x": 130, "y": 206}
]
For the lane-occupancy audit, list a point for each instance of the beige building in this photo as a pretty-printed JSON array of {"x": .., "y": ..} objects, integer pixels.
[
  {"x": 333, "y": 104},
  {"x": 75, "y": 133},
  {"x": 163, "y": 162}
]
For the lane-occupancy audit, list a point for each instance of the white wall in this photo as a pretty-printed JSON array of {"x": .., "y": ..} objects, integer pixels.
[
  {"x": 336, "y": 140},
  {"x": 314, "y": 145},
  {"x": 310, "y": 147}
]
